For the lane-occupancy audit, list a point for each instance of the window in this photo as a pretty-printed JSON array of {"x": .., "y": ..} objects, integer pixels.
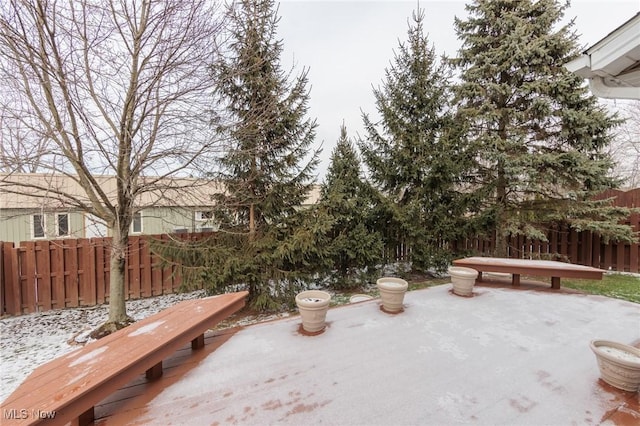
[
  {"x": 62, "y": 225},
  {"x": 37, "y": 230},
  {"x": 204, "y": 215},
  {"x": 136, "y": 224}
]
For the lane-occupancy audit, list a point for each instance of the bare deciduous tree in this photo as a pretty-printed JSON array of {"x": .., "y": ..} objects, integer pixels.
[
  {"x": 21, "y": 149},
  {"x": 625, "y": 148},
  {"x": 99, "y": 87}
]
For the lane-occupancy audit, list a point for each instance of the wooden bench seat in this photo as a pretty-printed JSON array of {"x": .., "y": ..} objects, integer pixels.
[
  {"x": 517, "y": 267},
  {"x": 67, "y": 388}
]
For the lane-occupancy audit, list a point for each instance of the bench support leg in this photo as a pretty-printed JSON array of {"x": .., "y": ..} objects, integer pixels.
[
  {"x": 479, "y": 278},
  {"x": 155, "y": 371},
  {"x": 85, "y": 418},
  {"x": 555, "y": 282},
  {"x": 515, "y": 281},
  {"x": 198, "y": 342}
]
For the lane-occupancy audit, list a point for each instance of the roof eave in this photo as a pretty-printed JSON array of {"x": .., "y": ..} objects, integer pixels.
[
  {"x": 607, "y": 63},
  {"x": 600, "y": 89}
]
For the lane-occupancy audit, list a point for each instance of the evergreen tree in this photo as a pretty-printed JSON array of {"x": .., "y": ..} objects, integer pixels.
[
  {"x": 263, "y": 169},
  {"x": 354, "y": 245},
  {"x": 539, "y": 138},
  {"x": 416, "y": 159},
  {"x": 265, "y": 241}
]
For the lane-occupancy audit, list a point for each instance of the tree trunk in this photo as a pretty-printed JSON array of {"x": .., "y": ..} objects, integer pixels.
[
  {"x": 252, "y": 222},
  {"x": 501, "y": 249},
  {"x": 501, "y": 244},
  {"x": 117, "y": 307}
]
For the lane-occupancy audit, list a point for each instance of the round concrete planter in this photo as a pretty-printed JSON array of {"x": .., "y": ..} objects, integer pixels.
[
  {"x": 313, "y": 306},
  {"x": 392, "y": 292},
  {"x": 463, "y": 280},
  {"x": 619, "y": 364}
]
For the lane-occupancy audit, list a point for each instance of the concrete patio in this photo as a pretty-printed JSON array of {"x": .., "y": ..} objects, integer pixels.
[{"x": 502, "y": 357}]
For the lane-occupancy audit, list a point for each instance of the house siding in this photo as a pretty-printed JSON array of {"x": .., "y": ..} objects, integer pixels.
[
  {"x": 16, "y": 224},
  {"x": 161, "y": 220},
  {"x": 162, "y": 212}
]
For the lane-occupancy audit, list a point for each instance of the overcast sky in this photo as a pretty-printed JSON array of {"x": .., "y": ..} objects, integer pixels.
[{"x": 348, "y": 44}]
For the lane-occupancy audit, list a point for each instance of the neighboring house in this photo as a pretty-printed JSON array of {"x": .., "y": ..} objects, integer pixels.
[
  {"x": 612, "y": 65},
  {"x": 183, "y": 205}
]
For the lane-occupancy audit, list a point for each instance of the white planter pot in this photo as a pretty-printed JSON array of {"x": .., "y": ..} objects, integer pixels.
[
  {"x": 619, "y": 364},
  {"x": 463, "y": 279},
  {"x": 313, "y": 306},
  {"x": 392, "y": 292}
]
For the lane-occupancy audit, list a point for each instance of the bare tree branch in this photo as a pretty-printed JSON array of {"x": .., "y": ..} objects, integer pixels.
[
  {"x": 96, "y": 87},
  {"x": 625, "y": 148}
]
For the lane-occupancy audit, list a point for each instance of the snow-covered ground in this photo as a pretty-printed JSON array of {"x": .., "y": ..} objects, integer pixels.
[
  {"x": 27, "y": 341},
  {"x": 502, "y": 357}
]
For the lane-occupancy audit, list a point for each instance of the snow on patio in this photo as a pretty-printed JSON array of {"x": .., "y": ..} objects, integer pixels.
[{"x": 501, "y": 357}]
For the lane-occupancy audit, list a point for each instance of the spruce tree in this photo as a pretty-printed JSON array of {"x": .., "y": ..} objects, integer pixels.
[
  {"x": 355, "y": 247},
  {"x": 539, "y": 137},
  {"x": 416, "y": 158},
  {"x": 265, "y": 169}
]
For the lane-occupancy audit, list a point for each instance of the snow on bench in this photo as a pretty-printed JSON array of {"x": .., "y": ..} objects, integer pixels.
[
  {"x": 67, "y": 388},
  {"x": 549, "y": 268}
]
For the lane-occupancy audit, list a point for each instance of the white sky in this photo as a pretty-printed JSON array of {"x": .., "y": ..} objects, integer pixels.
[{"x": 348, "y": 45}]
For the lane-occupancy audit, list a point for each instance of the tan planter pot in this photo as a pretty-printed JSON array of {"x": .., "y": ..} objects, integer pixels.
[
  {"x": 463, "y": 279},
  {"x": 392, "y": 292},
  {"x": 313, "y": 306},
  {"x": 619, "y": 364}
]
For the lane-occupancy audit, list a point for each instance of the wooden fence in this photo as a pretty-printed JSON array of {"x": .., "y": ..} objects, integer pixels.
[
  {"x": 51, "y": 274},
  {"x": 564, "y": 244},
  {"x": 583, "y": 248},
  {"x": 42, "y": 275}
]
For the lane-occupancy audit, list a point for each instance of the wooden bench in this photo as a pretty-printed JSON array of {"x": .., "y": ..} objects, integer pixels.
[
  {"x": 517, "y": 267},
  {"x": 67, "y": 388}
]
